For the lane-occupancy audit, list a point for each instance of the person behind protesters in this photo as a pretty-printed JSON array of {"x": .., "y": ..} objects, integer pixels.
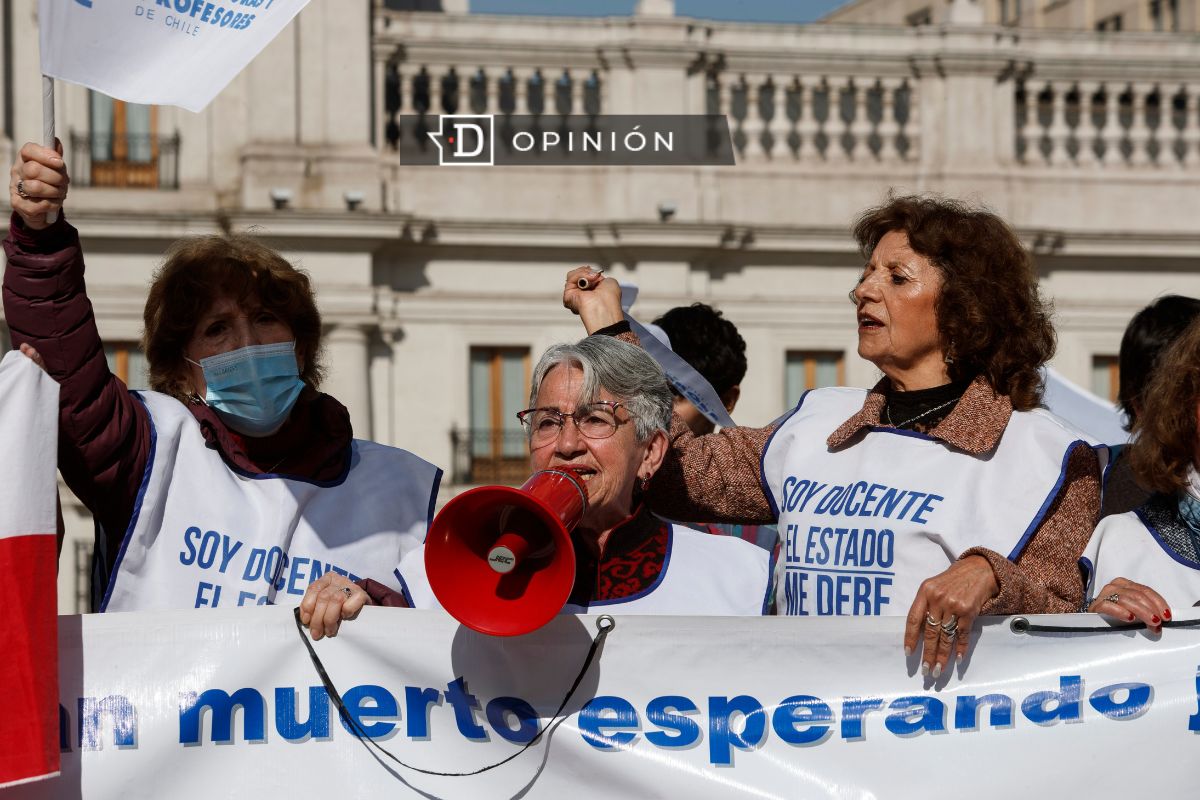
[
  {"x": 235, "y": 481},
  {"x": 942, "y": 493},
  {"x": 711, "y": 344},
  {"x": 713, "y": 347},
  {"x": 601, "y": 406},
  {"x": 1157, "y": 544},
  {"x": 1149, "y": 333}
]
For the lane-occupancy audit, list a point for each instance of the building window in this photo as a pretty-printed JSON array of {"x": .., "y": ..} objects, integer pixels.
[
  {"x": 1106, "y": 377},
  {"x": 123, "y": 148},
  {"x": 499, "y": 452},
  {"x": 1164, "y": 15},
  {"x": 923, "y": 16},
  {"x": 1113, "y": 23},
  {"x": 811, "y": 369},
  {"x": 83, "y": 577},
  {"x": 127, "y": 361},
  {"x": 1010, "y": 12}
]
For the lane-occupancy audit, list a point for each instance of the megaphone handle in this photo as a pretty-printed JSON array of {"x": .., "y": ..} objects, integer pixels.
[{"x": 604, "y": 625}]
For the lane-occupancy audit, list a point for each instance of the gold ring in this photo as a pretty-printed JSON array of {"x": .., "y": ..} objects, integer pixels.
[
  {"x": 21, "y": 189},
  {"x": 930, "y": 621}
]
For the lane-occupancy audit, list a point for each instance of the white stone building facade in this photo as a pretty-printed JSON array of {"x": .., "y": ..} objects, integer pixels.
[{"x": 439, "y": 286}]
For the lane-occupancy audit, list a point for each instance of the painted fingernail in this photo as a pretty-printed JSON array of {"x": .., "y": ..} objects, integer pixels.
[
  {"x": 1131, "y": 617},
  {"x": 924, "y": 668},
  {"x": 1167, "y": 614},
  {"x": 937, "y": 670},
  {"x": 907, "y": 651},
  {"x": 1155, "y": 619}
]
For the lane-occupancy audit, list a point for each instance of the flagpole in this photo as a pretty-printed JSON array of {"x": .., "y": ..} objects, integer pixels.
[{"x": 48, "y": 125}]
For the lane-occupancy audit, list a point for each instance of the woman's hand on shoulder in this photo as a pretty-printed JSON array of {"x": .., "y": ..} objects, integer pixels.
[
  {"x": 1126, "y": 601},
  {"x": 595, "y": 298},
  {"x": 329, "y": 600},
  {"x": 38, "y": 183},
  {"x": 944, "y": 610}
]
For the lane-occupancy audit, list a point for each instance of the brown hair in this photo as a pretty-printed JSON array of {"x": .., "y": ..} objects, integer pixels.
[
  {"x": 1165, "y": 445},
  {"x": 198, "y": 270},
  {"x": 990, "y": 315}
]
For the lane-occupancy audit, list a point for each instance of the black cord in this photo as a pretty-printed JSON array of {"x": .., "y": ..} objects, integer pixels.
[
  {"x": 604, "y": 625},
  {"x": 1023, "y": 625}
]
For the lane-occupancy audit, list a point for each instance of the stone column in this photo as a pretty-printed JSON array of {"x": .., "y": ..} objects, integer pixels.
[{"x": 348, "y": 379}]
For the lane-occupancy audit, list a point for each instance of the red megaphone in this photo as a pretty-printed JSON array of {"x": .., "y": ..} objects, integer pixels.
[{"x": 500, "y": 560}]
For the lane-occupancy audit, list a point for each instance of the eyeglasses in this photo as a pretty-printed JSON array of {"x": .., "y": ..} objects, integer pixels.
[{"x": 596, "y": 420}]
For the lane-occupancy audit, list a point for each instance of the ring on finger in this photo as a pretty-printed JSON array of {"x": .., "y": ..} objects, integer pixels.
[
  {"x": 950, "y": 627},
  {"x": 1113, "y": 598},
  {"x": 346, "y": 590},
  {"x": 21, "y": 189},
  {"x": 931, "y": 622}
]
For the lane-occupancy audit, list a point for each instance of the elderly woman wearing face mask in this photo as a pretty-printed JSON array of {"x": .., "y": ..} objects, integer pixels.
[
  {"x": 600, "y": 407},
  {"x": 234, "y": 482},
  {"x": 942, "y": 493}
]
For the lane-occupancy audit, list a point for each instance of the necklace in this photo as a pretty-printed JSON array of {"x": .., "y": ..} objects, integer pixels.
[{"x": 888, "y": 411}]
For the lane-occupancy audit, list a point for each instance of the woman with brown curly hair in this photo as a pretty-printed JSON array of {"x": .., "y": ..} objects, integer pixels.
[
  {"x": 234, "y": 482},
  {"x": 1157, "y": 544},
  {"x": 942, "y": 493}
]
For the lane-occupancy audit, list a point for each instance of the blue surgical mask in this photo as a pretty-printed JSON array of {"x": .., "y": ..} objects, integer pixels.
[{"x": 253, "y": 389}]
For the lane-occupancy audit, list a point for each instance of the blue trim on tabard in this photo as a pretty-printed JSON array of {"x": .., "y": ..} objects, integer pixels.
[
  {"x": 1089, "y": 574},
  {"x": 137, "y": 505},
  {"x": 437, "y": 482},
  {"x": 766, "y": 605},
  {"x": 657, "y": 581},
  {"x": 404, "y": 588},
  {"x": 1167, "y": 548},
  {"x": 1114, "y": 452},
  {"x": 1050, "y": 498},
  {"x": 762, "y": 460}
]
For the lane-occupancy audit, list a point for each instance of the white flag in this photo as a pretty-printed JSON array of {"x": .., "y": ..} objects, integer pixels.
[{"x": 157, "y": 52}]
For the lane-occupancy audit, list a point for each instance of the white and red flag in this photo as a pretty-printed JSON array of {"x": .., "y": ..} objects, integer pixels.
[{"x": 28, "y": 567}]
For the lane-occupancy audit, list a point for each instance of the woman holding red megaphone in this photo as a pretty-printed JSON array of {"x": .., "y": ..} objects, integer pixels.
[{"x": 599, "y": 411}]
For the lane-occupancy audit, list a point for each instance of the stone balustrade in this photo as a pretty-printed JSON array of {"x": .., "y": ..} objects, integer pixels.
[{"x": 852, "y": 97}]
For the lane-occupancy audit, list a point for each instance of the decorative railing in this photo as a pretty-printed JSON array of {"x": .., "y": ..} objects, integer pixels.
[
  {"x": 487, "y": 456},
  {"x": 1089, "y": 123},
  {"x": 855, "y": 97},
  {"x": 806, "y": 117},
  {"x": 133, "y": 161}
]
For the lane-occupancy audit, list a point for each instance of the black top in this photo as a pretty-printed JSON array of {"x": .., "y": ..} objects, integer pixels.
[{"x": 922, "y": 409}]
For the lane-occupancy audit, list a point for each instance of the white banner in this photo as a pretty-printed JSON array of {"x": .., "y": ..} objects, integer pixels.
[
  {"x": 227, "y": 704},
  {"x": 157, "y": 52}
]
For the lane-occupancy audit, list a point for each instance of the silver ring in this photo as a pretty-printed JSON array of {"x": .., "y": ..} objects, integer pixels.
[
  {"x": 1113, "y": 598},
  {"x": 950, "y": 627},
  {"x": 346, "y": 590},
  {"x": 21, "y": 189},
  {"x": 930, "y": 621}
]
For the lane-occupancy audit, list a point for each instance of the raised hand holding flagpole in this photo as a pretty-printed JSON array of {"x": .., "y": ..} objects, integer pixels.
[{"x": 48, "y": 128}]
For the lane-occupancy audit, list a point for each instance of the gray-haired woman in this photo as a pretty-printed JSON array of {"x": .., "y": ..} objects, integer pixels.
[{"x": 601, "y": 406}]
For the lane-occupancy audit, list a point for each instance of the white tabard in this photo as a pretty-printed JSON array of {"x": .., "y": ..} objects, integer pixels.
[
  {"x": 1128, "y": 546},
  {"x": 204, "y": 534},
  {"x": 862, "y": 526},
  {"x": 704, "y": 575}
]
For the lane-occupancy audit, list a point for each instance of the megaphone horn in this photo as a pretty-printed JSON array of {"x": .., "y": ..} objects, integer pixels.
[{"x": 523, "y": 536}]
